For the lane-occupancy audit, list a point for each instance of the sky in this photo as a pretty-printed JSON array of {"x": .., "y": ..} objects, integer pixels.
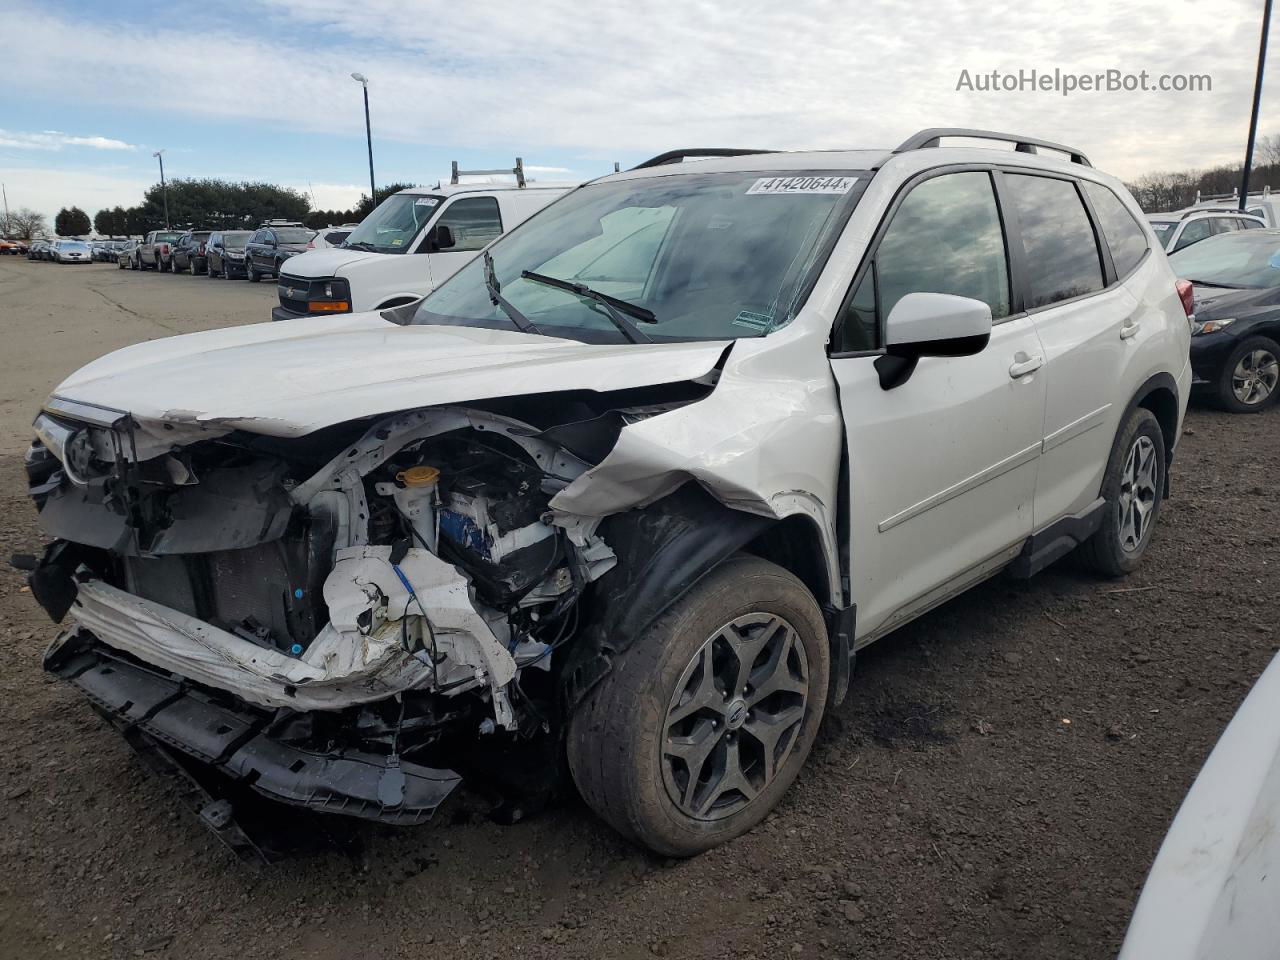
[{"x": 262, "y": 90}]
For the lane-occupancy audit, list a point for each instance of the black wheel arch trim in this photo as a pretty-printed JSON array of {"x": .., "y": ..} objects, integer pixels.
[
  {"x": 663, "y": 550},
  {"x": 1149, "y": 389}
]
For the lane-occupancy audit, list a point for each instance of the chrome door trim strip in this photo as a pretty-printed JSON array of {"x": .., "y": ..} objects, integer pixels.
[
  {"x": 964, "y": 486},
  {"x": 1075, "y": 428}
]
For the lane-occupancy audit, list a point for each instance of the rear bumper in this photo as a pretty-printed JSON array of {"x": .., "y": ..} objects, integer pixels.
[{"x": 234, "y": 739}]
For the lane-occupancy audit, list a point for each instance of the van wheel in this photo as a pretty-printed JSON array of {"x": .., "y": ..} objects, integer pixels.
[
  {"x": 1134, "y": 490},
  {"x": 706, "y": 719}
]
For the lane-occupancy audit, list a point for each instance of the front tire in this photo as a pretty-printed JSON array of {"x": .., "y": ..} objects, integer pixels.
[
  {"x": 1134, "y": 491},
  {"x": 1249, "y": 381},
  {"x": 705, "y": 721}
]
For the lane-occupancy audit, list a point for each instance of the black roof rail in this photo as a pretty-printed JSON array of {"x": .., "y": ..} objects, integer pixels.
[
  {"x": 672, "y": 156},
  {"x": 930, "y": 138}
]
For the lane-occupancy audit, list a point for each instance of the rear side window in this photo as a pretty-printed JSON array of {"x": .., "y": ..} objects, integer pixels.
[
  {"x": 473, "y": 221},
  {"x": 945, "y": 237},
  {"x": 1062, "y": 253},
  {"x": 1250, "y": 225},
  {"x": 1123, "y": 235}
]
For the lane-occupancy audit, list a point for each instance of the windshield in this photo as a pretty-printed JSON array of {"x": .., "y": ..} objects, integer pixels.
[
  {"x": 1164, "y": 230},
  {"x": 234, "y": 241},
  {"x": 393, "y": 225},
  {"x": 166, "y": 237},
  {"x": 1247, "y": 258},
  {"x": 73, "y": 245},
  {"x": 711, "y": 256}
]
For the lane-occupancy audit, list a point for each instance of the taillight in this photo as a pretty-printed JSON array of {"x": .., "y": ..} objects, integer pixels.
[
  {"x": 1187, "y": 294},
  {"x": 310, "y": 245}
]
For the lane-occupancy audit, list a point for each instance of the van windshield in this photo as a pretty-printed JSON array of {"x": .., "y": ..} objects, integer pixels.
[
  {"x": 392, "y": 226},
  {"x": 709, "y": 256}
]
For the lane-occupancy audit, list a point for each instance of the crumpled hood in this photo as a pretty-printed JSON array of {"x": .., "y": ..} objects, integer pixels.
[
  {"x": 1214, "y": 302},
  {"x": 289, "y": 378},
  {"x": 326, "y": 262}
]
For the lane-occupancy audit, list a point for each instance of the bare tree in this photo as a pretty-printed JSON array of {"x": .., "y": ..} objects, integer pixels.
[
  {"x": 1268, "y": 151},
  {"x": 26, "y": 224}
]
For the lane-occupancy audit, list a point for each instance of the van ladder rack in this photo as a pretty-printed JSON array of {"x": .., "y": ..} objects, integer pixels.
[
  {"x": 517, "y": 171},
  {"x": 931, "y": 137},
  {"x": 690, "y": 153}
]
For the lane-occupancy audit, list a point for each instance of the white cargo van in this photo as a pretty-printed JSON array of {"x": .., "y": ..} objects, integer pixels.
[{"x": 409, "y": 244}]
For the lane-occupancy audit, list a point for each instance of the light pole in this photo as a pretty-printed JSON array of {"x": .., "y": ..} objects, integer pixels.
[
  {"x": 164, "y": 189},
  {"x": 1257, "y": 100},
  {"x": 368, "y": 133}
]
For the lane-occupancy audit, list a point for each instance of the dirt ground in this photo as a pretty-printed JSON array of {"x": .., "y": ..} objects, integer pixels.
[{"x": 995, "y": 787}]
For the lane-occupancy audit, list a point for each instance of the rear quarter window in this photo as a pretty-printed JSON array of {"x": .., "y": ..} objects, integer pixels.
[{"x": 1127, "y": 241}]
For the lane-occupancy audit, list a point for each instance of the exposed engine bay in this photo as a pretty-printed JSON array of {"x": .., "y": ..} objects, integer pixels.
[{"x": 385, "y": 604}]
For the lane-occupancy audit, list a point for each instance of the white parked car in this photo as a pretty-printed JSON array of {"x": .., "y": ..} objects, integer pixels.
[
  {"x": 410, "y": 244},
  {"x": 638, "y": 480},
  {"x": 1262, "y": 204},
  {"x": 1176, "y": 231},
  {"x": 331, "y": 236}
]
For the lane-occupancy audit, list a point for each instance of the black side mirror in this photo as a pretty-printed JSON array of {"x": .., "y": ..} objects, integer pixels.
[{"x": 444, "y": 238}]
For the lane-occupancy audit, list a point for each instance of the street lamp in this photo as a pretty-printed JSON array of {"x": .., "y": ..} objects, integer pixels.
[
  {"x": 361, "y": 79},
  {"x": 1257, "y": 100},
  {"x": 164, "y": 190}
]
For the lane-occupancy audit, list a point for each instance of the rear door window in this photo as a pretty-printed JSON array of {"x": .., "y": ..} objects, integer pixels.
[
  {"x": 1063, "y": 260},
  {"x": 1126, "y": 240}
]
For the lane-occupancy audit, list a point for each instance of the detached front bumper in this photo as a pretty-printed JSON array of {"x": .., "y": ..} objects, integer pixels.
[{"x": 235, "y": 740}]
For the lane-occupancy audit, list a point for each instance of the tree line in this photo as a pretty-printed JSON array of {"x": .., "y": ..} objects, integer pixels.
[
  {"x": 1169, "y": 190},
  {"x": 194, "y": 204}
]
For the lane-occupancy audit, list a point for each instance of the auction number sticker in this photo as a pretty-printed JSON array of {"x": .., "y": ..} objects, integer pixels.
[
  {"x": 775, "y": 185},
  {"x": 425, "y": 202}
]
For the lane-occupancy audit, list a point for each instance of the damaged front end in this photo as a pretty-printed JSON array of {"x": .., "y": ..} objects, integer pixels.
[{"x": 336, "y": 620}]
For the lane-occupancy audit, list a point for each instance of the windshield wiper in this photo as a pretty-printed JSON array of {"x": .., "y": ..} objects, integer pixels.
[
  {"x": 521, "y": 322},
  {"x": 612, "y": 305},
  {"x": 361, "y": 245}
]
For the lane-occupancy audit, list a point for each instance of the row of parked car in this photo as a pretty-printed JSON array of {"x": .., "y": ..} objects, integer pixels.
[{"x": 230, "y": 254}]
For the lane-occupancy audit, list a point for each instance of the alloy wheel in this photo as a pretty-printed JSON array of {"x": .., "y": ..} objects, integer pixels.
[
  {"x": 1138, "y": 488},
  {"x": 735, "y": 716},
  {"x": 1255, "y": 376}
]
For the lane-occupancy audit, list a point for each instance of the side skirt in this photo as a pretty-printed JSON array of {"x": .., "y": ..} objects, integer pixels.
[{"x": 1057, "y": 540}]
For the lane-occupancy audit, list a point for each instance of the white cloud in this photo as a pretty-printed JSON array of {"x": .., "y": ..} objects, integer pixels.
[
  {"x": 331, "y": 196},
  {"x": 56, "y": 140}
]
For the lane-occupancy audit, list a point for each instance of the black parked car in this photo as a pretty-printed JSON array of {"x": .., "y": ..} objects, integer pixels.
[
  {"x": 37, "y": 249},
  {"x": 1235, "y": 333},
  {"x": 189, "y": 252},
  {"x": 271, "y": 245},
  {"x": 225, "y": 252}
]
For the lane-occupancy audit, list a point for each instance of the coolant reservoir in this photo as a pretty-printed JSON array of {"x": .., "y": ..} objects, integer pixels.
[{"x": 415, "y": 495}]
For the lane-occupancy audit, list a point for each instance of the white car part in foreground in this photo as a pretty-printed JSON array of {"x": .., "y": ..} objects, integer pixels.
[{"x": 1211, "y": 894}]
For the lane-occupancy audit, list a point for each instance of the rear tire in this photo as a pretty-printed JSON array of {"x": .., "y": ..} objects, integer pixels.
[
  {"x": 1249, "y": 381},
  {"x": 1133, "y": 488},
  {"x": 675, "y": 748}
]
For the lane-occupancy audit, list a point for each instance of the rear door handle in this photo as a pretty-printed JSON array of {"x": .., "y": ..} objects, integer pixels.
[
  {"x": 1131, "y": 326},
  {"x": 1023, "y": 364}
]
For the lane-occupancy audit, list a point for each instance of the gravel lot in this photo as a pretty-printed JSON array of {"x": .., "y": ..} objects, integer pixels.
[{"x": 995, "y": 787}]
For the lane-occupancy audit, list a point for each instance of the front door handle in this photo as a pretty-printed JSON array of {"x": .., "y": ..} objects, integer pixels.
[
  {"x": 1023, "y": 364},
  {"x": 1131, "y": 326}
]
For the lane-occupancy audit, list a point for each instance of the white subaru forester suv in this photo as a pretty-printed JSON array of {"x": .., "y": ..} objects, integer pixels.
[{"x": 634, "y": 484}]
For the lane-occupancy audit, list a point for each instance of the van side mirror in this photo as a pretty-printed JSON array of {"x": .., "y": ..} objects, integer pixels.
[
  {"x": 931, "y": 325},
  {"x": 444, "y": 238}
]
